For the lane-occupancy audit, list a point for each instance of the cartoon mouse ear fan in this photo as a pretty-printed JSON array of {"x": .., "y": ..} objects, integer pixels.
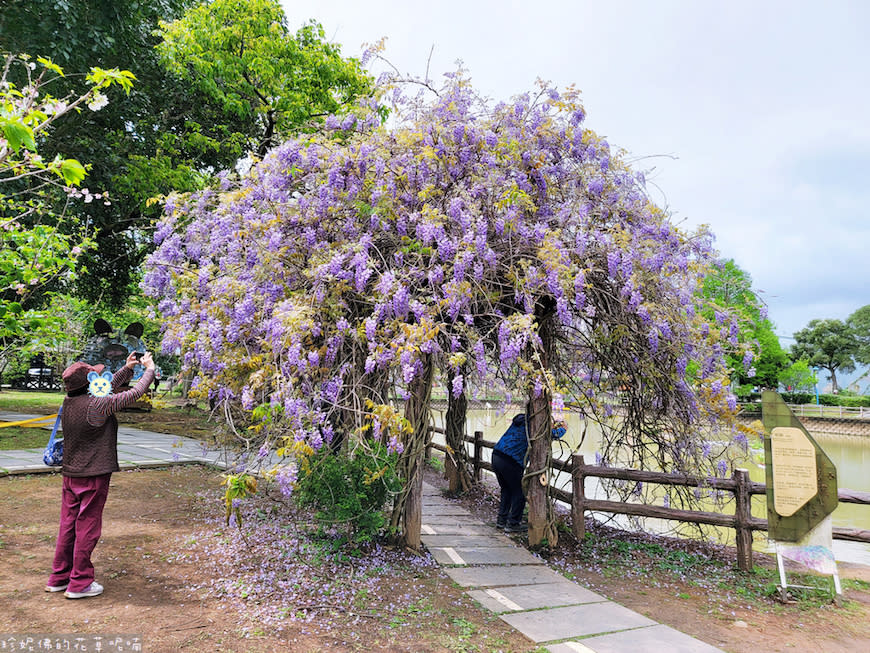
[
  {"x": 135, "y": 329},
  {"x": 102, "y": 328}
]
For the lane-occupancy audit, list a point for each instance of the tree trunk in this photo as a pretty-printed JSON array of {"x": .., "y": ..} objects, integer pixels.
[
  {"x": 266, "y": 143},
  {"x": 539, "y": 428},
  {"x": 456, "y": 460},
  {"x": 408, "y": 507},
  {"x": 834, "y": 387}
]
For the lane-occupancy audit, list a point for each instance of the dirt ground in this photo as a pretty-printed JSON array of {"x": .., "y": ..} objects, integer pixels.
[
  {"x": 174, "y": 575},
  {"x": 703, "y": 602}
]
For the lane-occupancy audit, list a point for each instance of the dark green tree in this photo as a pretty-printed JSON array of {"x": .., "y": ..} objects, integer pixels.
[
  {"x": 182, "y": 122},
  {"x": 859, "y": 322},
  {"x": 243, "y": 57},
  {"x": 828, "y": 344},
  {"x": 115, "y": 140},
  {"x": 730, "y": 287},
  {"x": 798, "y": 377}
]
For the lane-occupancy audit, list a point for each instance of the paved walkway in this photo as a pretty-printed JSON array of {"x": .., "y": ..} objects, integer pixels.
[
  {"x": 543, "y": 605},
  {"x": 136, "y": 449},
  {"x": 549, "y": 609}
]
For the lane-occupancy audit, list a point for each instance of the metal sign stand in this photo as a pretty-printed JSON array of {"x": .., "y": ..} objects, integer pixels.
[{"x": 783, "y": 583}]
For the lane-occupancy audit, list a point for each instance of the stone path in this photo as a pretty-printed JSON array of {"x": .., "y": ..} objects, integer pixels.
[{"x": 549, "y": 609}]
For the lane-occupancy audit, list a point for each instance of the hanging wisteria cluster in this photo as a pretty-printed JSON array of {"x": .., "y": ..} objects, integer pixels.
[{"x": 340, "y": 265}]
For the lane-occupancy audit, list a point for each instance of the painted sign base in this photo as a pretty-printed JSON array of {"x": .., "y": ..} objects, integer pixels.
[{"x": 813, "y": 551}]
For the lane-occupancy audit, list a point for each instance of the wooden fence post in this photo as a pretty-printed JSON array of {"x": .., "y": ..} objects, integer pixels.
[
  {"x": 578, "y": 496},
  {"x": 478, "y": 454},
  {"x": 743, "y": 515}
]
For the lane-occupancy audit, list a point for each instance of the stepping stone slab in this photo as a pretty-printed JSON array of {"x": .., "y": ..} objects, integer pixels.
[
  {"x": 141, "y": 455},
  {"x": 503, "y": 555},
  {"x": 463, "y": 540},
  {"x": 654, "y": 639},
  {"x": 451, "y": 519},
  {"x": 531, "y": 597},
  {"x": 142, "y": 463},
  {"x": 455, "y": 529},
  {"x": 576, "y": 621},
  {"x": 441, "y": 511},
  {"x": 15, "y": 461},
  {"x": 171, "y": 452},
  {"x": 28, "y": 469},
  {"x": 494, "y": 576}
]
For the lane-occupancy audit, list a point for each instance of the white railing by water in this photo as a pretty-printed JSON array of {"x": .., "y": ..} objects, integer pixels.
[{"x": 819, "y": 410}]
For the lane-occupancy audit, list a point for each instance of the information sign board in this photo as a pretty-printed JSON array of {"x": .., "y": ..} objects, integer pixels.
[
  {"x": 794, "y": 469},
  {"x": 801, "y": 479}
]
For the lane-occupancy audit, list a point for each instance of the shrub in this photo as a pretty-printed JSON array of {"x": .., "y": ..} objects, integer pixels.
[
  {"x": 824, "y": 400},
  {"x": 799, "y": 397},
  {"x": 839, "y": 400},
  {"x": 349, "y": 490}
]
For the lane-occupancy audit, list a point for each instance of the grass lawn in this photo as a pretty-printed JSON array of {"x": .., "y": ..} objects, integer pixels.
[
  {"x": 17, "y": 437},
  {"x": 168, "y": 414},
  {"x": 38, "y": 403}
]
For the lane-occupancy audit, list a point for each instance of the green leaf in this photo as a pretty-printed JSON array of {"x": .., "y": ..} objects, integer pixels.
[
  {"x": 48, "y": 63},
  {"x": 18, "y": 135},
  {"x": 72, "y": 172}
]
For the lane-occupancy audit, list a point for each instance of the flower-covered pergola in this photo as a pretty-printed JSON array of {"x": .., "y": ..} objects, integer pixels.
[{"x": 504, "y": 245}]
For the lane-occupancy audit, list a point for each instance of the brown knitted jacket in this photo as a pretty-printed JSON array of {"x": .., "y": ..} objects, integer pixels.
[{"x": 90, "y": 428}]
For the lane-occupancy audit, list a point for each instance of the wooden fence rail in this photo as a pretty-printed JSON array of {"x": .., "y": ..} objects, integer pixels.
[{"x": 739, "y": 485}]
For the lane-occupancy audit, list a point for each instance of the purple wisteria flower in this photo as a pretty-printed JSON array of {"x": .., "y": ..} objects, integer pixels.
[{"x": 344, "y": 264}]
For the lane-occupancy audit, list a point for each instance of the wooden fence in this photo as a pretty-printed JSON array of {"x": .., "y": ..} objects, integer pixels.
[{"x": 739, "y": 485}]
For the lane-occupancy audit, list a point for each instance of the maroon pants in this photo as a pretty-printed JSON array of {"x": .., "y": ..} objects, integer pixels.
[{"x": 81, "y": 522}]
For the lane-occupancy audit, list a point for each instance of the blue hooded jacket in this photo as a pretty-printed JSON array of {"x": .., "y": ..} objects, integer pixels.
[{"x": 514, "y": 442}]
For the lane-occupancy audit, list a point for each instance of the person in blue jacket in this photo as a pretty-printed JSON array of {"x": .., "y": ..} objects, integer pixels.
[{"x": 508, "y": 462}]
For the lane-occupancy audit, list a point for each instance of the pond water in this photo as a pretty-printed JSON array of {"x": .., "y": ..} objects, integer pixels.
[{"x": 850, "y": 454}]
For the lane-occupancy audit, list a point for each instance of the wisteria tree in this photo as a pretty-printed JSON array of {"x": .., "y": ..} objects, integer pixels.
[{"x": 506, "y": 245}]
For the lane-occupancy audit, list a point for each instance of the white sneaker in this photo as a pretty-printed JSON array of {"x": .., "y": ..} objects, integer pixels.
[
  {"x": 56, "y": 588},
  {"x": 94, "y": 589}
]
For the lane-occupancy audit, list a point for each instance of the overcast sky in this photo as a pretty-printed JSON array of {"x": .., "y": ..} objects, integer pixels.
[{"x": 761, "y": 110}]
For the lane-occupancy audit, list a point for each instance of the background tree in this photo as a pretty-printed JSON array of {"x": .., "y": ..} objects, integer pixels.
[
  {"x": 859, "y": 323},
  {"x": 728, "y": 287},
  {"x": 172, "y": 133},
  {"x": 798, "y": 377},
  {"x": 771, "y": 361},
  {"x": 241, "y": 55},
  {"x": 829, "y": 344},
  {"x": 115, "y": 140},
  {"x": 34, "y": 250}
]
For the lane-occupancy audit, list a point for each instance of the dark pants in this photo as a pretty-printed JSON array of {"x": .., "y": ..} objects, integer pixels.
[
  {"x": 81, "y": 522},
  {"x": 510, "y": 479}
]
